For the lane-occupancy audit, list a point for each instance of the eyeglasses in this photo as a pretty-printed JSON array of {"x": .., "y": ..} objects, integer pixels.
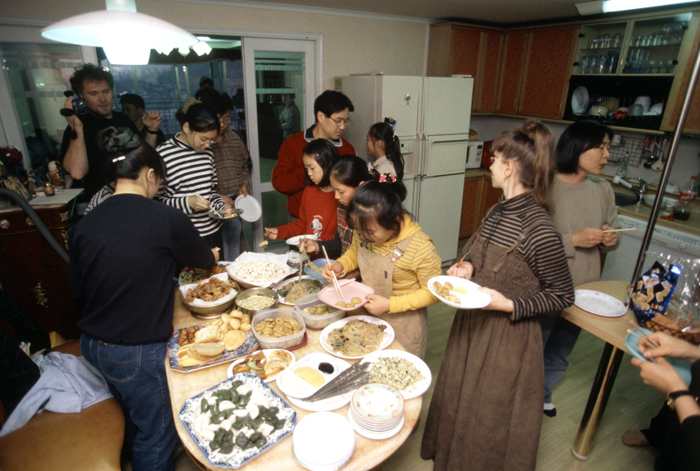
[
  {"x": 225, "y": 119},
  {"x": 204, "y": 141},
  {"x": 340, "y": 121}
]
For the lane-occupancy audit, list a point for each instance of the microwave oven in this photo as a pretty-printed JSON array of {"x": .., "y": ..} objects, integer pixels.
[{"x": 474, "y": 151}]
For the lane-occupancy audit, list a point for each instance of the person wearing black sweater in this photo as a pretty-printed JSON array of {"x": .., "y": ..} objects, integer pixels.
[
  {"x": 675, "y": 431},
  {"x": 123, "y": 260}
]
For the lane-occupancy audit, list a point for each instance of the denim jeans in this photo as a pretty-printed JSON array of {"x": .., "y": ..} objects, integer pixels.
[
  {"x": 559, "y": 337},
  {"x": 231, "y": 233},
  {"x": 136, "y": 377}
]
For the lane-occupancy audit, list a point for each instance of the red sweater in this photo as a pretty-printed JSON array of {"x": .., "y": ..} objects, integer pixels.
[
  {"x": 318, "y": 213},
  {"x": 289, "y": 175}
]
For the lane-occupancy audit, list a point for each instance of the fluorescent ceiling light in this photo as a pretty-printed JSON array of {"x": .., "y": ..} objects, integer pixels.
[
  {"x": 622, "y": 5},
  {"x": 126, "y": 36},
  {"x": 609, "y": 6}
]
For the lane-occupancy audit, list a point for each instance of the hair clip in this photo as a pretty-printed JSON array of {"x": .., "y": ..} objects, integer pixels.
[
  {"x": 384, "y": 176},
  {"x": 391, "y": 122},
  {"x": 117, "y": 159}
]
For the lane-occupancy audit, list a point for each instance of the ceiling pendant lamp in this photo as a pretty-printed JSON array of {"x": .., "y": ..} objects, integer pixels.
[{"x": 126, "y": 36}]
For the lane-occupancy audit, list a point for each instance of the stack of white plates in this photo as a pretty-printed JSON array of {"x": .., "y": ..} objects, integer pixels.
[
  {"x": 376, "y": 411},
  {"x": 323, "y": 441}
]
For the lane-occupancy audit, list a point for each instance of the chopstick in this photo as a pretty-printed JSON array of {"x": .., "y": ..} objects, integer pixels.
[
  {"x": 620, "y": 230},
  {"x": 644, "y": 338},
  {"x": 335, "y": 280}
]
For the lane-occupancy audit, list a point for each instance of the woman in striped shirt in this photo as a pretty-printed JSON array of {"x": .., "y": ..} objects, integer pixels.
[
  {"x": 486, "y": 411},
  {"x": 395, "y": 257},
  {"x": 190, "y": 173}
]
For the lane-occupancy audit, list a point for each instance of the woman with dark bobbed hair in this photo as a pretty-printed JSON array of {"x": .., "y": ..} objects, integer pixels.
[
  {"x": 123, "y": 256},
  {"x": 191, "y": 179},
  {"x": 486, "y": 409},
  {"x": 582, "y": 207}
]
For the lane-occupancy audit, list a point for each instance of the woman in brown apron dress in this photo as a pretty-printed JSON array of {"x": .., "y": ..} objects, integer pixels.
[
  {"x": 486, "y": 410},
  {"x": 396, "y": 259}
]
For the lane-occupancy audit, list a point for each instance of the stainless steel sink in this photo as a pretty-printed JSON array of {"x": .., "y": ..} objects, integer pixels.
[{"x": 625, "y": 200}]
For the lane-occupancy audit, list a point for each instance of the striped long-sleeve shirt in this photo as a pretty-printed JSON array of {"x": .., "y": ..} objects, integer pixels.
[
  {"x": 542, "y": 249},
  {"x": 189, "y": 173}
]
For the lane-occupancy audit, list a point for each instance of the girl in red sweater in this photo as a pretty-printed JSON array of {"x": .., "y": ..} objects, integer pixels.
[{"x": 318, "y": 212}]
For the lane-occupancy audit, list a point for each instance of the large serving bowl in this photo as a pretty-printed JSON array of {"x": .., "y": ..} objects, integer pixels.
[
  {"x": 243, "y": 295},
  {"x": 262, "y": 281},
  {"x": 208, "y": 309},
  {"x": 287, "y": 342}
]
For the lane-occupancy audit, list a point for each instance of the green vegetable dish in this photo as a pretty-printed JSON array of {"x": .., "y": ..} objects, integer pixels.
[{"x": 237, "y": 420}]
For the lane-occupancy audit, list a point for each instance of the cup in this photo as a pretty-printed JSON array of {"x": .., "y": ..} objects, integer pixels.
[
  {"x": 636, "y": 109},
  {"x": 645, "y": 101}
]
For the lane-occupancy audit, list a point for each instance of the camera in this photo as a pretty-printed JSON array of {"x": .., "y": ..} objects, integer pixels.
[{"x": 79, "y": 106}]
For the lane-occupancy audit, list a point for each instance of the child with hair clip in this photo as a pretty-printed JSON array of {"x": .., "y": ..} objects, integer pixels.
[
  {"x": 318, "y": 209},
  {"x": 395, "y": 257},
  {"x": 384, "y": 145},
  {"x": 346, "y": 176}
]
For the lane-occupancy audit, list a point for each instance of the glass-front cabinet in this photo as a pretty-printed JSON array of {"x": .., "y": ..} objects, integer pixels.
[{"x": 634, "y": 47}]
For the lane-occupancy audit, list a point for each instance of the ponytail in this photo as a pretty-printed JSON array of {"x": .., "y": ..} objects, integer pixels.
[
  {"x": 532, "y": 149},
  {"x": 392, "y": 145}
]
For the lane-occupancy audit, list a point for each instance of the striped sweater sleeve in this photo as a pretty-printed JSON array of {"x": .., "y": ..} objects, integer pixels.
[{"x": 544, "y": 253}]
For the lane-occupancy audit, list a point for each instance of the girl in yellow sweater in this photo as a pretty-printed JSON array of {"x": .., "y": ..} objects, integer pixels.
[{"x": 395, "y": 257}]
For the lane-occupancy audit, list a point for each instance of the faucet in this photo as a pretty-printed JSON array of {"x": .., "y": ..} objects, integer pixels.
[{"x": 637, "y": 191}]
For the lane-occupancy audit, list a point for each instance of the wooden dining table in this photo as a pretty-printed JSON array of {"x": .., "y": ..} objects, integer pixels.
[
  {"x": 613, "y": 330},
  {"x": 368, "y": 453}
]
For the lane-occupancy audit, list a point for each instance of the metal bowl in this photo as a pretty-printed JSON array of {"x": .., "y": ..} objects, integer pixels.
[
  {"x": 208, "y": 312},
  {"x": 243, "y": 295}
]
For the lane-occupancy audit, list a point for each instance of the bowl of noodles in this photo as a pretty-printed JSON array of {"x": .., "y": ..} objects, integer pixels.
[{"x": 291, "y": 289}]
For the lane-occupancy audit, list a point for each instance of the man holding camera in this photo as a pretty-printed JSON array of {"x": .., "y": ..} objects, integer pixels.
[{"x": 81, "y": 155}]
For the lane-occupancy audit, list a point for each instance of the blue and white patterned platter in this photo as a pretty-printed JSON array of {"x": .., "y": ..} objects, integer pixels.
[
  {"x": 238, "y": 457},
  {"x": 248, "y": 347}
]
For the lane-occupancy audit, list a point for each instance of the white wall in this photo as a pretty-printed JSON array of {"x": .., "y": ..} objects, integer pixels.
[
  {"x": 350, "y": 44},
  {"x": 686, "y": 163}
]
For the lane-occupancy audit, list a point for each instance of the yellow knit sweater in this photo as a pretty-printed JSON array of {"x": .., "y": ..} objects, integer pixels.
[{"x": 411, "y": 272}]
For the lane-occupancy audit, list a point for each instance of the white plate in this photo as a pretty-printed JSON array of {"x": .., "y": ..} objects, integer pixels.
[
  {"x": 324, "y": 441},
  {"x": 296, "y": 240},
  {"x": 278, "y": 259},
  {"x": 267, "y": 352},
  {"x": 374, "y": 435},
  {"x": 198, "y": 302},
  {"x": 250, "y": 206},
  {"x": 599, "y": 303},
  {"x": 474, "y": 299},
  {"x": 293, "y": 386},
  {"x": 388, "y": 338},
  {"x": 292, "y": 279},
  {"x": 421, "y": 386},
  {"x": 580, "y": 100}
]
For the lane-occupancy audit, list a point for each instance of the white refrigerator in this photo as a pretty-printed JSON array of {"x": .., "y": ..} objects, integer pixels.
[{"x": 432, "y": 122}]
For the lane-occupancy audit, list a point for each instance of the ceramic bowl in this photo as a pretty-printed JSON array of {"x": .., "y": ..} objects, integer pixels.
[
  {"x": 637, "y": 109},
  {"x": 597, "y": 110}
]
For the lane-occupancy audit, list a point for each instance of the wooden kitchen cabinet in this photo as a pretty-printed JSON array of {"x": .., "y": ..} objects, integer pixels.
[
  {"x": 550, "y": 57},
  {"x": 512, "y": 65},
  {"x": 31, "y": 272},
  {"x": 680, "y": 85},
  {"x": 461, "y": 50}
]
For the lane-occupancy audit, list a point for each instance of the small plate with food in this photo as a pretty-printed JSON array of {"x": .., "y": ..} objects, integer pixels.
[
  {"x": 291, "y": 289},
  {"x": 310, "y": 374},
  {"x": 267, "y": 364},
  {"x": 296, "y": 240},
  {"x": 354, "y": 295},
  {"x": 212, "y": 343},
  {"x": 225, "y": 214},
  {"x": 458, "y": 292},
  {"x": 401, "y": 370},
  {"x": 355, "y": 337}
]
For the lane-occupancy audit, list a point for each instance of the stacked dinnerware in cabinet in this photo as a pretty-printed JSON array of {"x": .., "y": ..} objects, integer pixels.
[
  {"x": 376, "y": 411},
  {"x": 323, "y": 441}
]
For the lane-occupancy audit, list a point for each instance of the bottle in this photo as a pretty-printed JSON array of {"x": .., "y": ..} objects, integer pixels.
[
  {"x": 686, "y": 200},
  {"x": 622, "y": 171}
]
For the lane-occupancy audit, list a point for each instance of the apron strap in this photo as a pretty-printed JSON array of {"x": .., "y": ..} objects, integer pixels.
[{"x": 401, "y": 247}]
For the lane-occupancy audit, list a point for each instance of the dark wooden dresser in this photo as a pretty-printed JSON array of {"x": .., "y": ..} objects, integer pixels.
[{"x": 31, "y": 272}]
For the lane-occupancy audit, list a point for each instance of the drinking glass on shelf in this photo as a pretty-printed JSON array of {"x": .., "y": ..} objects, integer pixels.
[
  {"x": 594, "y": 64},
  {"x": 617, "y": 40},
  {"x": 606, "y": 40},
  {"x": 603, "y": 64},
  {"x": 585, "y": 65},
  {"x": 594, "y": 43},
  {"x": 669, "y": 67}
]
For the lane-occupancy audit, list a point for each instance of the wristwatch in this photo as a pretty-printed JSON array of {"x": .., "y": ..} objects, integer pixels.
[{"x": 671, "y": 397}]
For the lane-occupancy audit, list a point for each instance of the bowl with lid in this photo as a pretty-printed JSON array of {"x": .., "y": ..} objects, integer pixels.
[
  {"x": 316, "y": 313},
  {"x": 285, "y": 336}
]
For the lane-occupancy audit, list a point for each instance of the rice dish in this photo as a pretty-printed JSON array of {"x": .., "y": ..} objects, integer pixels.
[{"x": 257, "y": 271}]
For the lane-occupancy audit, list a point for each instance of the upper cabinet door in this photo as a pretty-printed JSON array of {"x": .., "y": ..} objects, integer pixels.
[
  {"x": 465, "y": 43},
  {"x": 511, "y": 72},
  {"x": 486, "y": 85},
  {"x": 549, "y": 63}
]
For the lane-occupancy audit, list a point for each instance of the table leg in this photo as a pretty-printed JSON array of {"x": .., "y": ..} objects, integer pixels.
[{"x": 597, "y": 400}]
